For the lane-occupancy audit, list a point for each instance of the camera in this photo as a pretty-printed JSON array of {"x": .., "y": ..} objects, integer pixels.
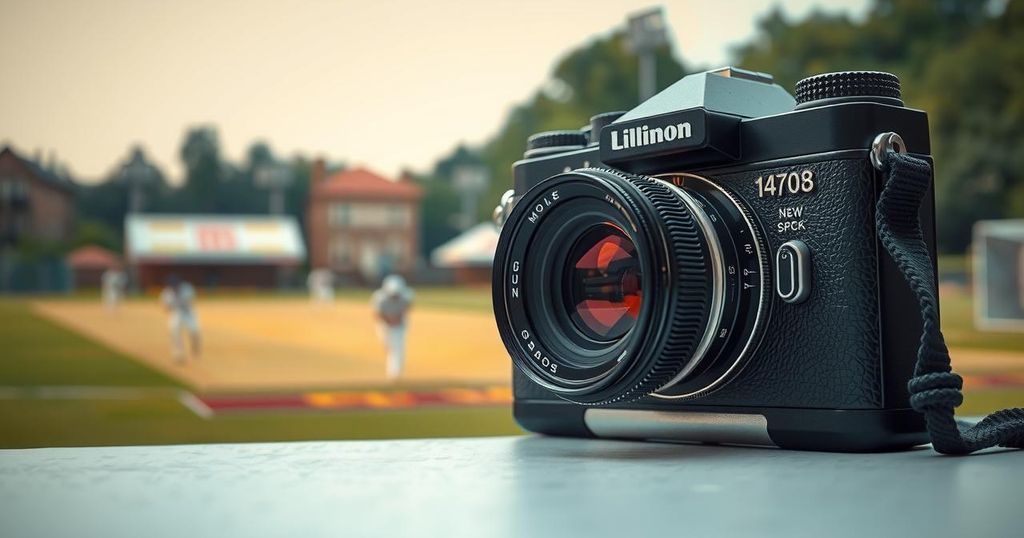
[{"x": 705, "y": 268}]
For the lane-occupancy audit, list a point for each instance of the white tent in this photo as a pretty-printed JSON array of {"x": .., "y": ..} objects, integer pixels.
[{"x": 472, "y": 248}]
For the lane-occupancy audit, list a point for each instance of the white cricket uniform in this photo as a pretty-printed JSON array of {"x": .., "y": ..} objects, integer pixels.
[
  {"x": 183, "y": 316},
  {"x": 321, "y": 285},
  {"x": 113, "y": 284},
  {"x": 393, "y": 304}
]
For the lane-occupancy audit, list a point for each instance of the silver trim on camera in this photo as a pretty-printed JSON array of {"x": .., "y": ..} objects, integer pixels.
[
  {"x": 504, "y": 208},
  {"x": 881, "y": 144},
  {"x": 726, "y": 428}
]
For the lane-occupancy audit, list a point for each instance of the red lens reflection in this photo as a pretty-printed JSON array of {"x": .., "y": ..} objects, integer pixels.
[{"x": 604, "y": 283}]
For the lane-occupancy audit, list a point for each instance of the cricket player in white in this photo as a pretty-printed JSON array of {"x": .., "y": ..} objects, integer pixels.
[
  {"x": 391, "y": 304},
  {"x": 177, "y": 299},
  {"x": 113, "y": 283},
  {"x": 321, "y": 286}
]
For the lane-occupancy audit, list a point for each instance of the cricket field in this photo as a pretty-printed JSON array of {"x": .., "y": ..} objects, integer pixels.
[{"x": 276, "y": 368}]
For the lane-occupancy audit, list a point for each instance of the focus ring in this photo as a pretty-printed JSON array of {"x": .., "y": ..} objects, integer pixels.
[
  {"x": 685, "y": 291},
  {"x": 699, "y": 386}
]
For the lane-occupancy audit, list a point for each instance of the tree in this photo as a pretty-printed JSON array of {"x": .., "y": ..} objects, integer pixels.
[
  {"x": 94, "y": 232},
  {"x": 101, "y": 208},
  {"x": 200, "y": 152},
  {"x": 439, "y": 207},
  {"x": 213, "y": 185},
  {"x": 977, "y": 123},
  {"x": 296, "y": 195},
  {"x": 600, "y": 76}
]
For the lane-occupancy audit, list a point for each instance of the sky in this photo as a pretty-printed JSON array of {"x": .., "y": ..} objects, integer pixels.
[{"x": 384, "y": 84}]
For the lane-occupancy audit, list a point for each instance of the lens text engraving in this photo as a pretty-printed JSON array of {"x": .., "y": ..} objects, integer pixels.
[{"x": 542, "y": 205}]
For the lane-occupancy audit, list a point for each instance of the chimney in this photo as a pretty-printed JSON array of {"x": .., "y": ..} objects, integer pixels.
[{"x": 319, "y": 172}]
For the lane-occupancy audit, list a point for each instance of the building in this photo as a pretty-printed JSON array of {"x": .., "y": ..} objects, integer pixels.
[
  {"x": 35, "y": 202},
  {"x": 469, "y": 255},
  {"x": 213, "y": 251},
  {"x": 88, "y": 264},
  {"x": 361, "y": 225}
]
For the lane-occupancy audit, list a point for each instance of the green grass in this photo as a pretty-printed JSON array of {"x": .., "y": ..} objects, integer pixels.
[
  {"x": 37, "y": 423},
  {"x": 983, "y": 402},
  {"x": 35, "y": 352},
  {"x": 954, "y": 264},
  {"x": 958, "y": 327}
]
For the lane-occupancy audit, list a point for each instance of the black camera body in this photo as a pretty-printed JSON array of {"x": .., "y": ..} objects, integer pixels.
[{"x": 705, "y": 268}]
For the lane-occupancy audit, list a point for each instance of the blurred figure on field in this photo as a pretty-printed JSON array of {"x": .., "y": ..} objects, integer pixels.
[
  {"x": 177, "y": 298},
  {"x": 391, "y": 305},
  {"x": 321, "y": 286},
  {"x": 112, "y": 284}
]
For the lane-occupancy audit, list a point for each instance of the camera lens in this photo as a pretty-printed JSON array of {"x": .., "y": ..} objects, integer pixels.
[
  {"x": 603, "y": 276},
  {"x": 610, "y": 287}
]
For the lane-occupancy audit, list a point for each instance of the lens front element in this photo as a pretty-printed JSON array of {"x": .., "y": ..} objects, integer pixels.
[{"x": 604, "y": 278}]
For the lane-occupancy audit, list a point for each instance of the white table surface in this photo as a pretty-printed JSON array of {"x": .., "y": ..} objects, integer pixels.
[{"x": 523, "y": 487}]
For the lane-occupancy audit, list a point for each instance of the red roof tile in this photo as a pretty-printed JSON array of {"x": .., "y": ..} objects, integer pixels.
[
  {"x": 93, "y": 257},
  {"x": 362, "y": 183}
]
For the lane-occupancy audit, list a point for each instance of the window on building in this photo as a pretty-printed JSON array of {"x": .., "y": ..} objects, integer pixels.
[
  {"x": 339, "y": 251},
  {"x": 396, "y": 246},
  {"x": 368, "y": 215},
  {"x": 398, "y": 215},
  {"x": 339, "y": 214},
  {"x": 13, "y": 188}
]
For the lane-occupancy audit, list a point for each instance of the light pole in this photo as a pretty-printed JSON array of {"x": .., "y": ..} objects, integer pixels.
[
  {"x": 470, "y": 180},
  {"x": 137, "y": 173},
  {"x": 646, "y": 34},
  {"x": 275, "y": 178}
]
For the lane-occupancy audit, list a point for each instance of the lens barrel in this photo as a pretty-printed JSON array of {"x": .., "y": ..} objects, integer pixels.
[{"x": 609, "y": 287}]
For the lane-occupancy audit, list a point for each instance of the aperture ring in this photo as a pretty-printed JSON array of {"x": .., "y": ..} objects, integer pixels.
[{"x": 743, "y": 339}]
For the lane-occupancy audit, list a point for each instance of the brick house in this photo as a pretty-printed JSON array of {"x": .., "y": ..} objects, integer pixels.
[
  {"x": 362, "y": 225},
  {"x": 35, "y": 203}
]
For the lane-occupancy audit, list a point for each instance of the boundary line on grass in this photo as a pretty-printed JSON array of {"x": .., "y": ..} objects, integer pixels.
[
  {"x": 84, "y": 392},
  {"x": 194, "y": 404},
  {"x": 77, "y": 392}
]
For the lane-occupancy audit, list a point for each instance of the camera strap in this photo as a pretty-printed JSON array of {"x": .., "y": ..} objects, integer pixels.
[{"x": 935, "y": 390}]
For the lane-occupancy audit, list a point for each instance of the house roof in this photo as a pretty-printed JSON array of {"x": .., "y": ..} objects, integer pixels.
[
  {"x": 39, "y": 171},
  {"x": 214, "y": 239},
  {"x": 362, "y": 183},
  {"x": 93, "y": 257}
]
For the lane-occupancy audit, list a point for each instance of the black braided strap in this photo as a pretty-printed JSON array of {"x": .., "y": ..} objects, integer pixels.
[{"x": 934, "y": 389}]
